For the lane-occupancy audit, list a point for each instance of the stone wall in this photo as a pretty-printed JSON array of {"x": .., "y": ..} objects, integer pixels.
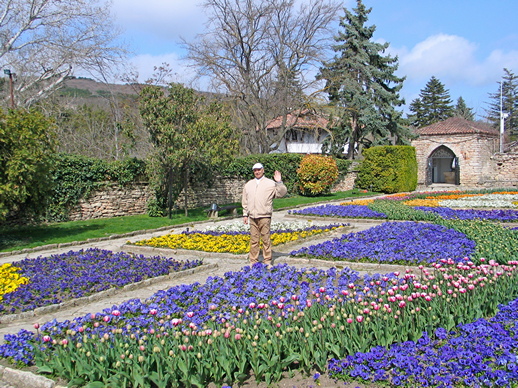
[
  {"x": 114, "y": 201},
  {"x": 505, "y": 170},
  {"x": 474, "y": 153}
]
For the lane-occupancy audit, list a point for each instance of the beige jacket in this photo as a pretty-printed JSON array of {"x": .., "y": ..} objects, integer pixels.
[{"x": 257, "y": 199}]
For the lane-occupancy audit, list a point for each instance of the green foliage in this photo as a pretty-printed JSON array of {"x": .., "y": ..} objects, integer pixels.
[
  {"x": 432, "y": 105},
  {"x": 388, "y": 169},
  {"x": 75, "y": 176},
  {"x": 26, "y": 147},
  {"x": 287, "y": 164},
  {"x": 364, "y": 89},
  {"x": 189, "y": 136},
  {"x": 462, "y": 110},
  {"x": 508, "y": 88},
  {"x": 316, "y": 174}
]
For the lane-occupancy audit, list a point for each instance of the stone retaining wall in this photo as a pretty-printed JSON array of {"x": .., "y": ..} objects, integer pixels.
[{"x": 115, "y": 201}]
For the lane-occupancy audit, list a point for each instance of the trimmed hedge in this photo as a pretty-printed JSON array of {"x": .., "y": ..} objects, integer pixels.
[{"x": 388, "y": 169}]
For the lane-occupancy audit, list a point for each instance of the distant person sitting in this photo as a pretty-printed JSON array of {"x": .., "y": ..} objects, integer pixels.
[{"x": 257, "y": 202}]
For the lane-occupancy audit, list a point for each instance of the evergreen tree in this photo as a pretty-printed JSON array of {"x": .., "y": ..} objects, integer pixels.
[
  {"x": 462, "y": 110},
  {"x": 363, "y": 88},
  {"x": 432, "y": 105},
  {"x": 508, "y": 89}
]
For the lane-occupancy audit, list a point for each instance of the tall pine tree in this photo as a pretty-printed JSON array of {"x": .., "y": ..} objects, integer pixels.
[
  {"x": 509, "y": 92},
  {"x": 462, "y": 110},
  {"x": 433, "y": 105},
  {"x": 363, "y": 88}
]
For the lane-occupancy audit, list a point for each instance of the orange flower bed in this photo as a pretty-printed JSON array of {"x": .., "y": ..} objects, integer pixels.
[
  {"x": 364, "y": 202},
  {"x": 430, "y": 202},
  {"x": 454, "y": 196}
]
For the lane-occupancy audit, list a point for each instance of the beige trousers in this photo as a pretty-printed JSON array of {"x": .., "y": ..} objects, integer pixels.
[{"x": 260, "y": 231}]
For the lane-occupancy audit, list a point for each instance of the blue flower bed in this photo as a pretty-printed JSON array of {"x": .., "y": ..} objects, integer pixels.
[
  {"x": 479, "y": 354},
  {"x": 350, "y": 211},
  {"x": 395, "y": 242},
  {"x": 76, "y": 274},
  {"x": 502, "y": 215},
  {"x": 195, "y": 304}
]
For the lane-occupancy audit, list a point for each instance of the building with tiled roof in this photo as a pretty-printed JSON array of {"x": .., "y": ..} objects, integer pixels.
[
  {"x": 456, "y": 151},
  {"x": 304, "y": 132},
  {"x": 457, "y": 126}
]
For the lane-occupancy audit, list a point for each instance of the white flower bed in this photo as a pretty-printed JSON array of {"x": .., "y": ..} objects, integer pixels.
[
  {"x": 239, "y": 226},
  {"x": 488, "y": 200}
]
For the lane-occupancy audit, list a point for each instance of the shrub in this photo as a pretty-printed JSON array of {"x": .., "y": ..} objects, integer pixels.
[
  {"x": 388, "y": 169},
  {"x": 316, "y": 174}
]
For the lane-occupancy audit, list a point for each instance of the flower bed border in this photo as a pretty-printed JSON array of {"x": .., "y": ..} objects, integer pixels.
[{"x": 8, "y": 318}]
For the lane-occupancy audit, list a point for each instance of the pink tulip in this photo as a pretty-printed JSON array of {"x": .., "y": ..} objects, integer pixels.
[
  {"x": 359, "y": 319},
  {"x": 116, "y": 313},
  {"x": 153, "y": 311},
  {"x": 349, "y": 320},
  {"x": 295, "y": 297},
  {"x": 36, "y": 326},
  {"x": 46, "y": 338},
  {"x": 308, "y": 303},
  {"x": 280, "y": 306},
  {"x": 252, "y": 305},
  {"x": 106, "y": 318},
  {"x": 176, "y": 321},
  {"x": 401, "y": 304},
  {"x": 190, "y": 314}
]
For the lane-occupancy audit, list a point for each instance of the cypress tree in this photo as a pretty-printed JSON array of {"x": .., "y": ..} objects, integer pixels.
[
  {"x": 433, "y": 105},
  {"x": 462, "y": 110},
  {"x": 363, "y": 88}
]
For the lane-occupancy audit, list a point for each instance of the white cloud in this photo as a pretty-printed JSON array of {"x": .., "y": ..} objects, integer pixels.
[{"x": 453, "y": 60}]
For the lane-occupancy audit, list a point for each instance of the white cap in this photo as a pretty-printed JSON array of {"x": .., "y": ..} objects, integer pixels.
[{"x": 257, "y": 166}]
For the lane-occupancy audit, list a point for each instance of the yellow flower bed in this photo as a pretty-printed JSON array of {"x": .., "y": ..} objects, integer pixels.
[
  {"x": 10, "y": 279},
  {"x": 431, "y": 202},
  {"x": 225, "y": 243},
  {"x": 364, "y": 202}
]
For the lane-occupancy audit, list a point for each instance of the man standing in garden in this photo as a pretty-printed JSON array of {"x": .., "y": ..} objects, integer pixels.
[{"x": 257, "y": 202}]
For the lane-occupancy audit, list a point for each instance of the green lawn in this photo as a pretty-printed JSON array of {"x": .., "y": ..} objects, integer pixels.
[{"x": 18, "y": 238}]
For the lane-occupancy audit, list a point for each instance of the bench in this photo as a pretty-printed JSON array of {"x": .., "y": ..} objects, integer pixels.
[{"x": 213, "y": 211}]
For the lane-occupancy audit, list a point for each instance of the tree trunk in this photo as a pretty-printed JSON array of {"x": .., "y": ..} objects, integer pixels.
[{"x": 185, "y": 189}]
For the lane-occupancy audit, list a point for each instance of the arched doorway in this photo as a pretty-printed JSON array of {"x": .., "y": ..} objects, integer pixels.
[{"x": 443, "y": 167}]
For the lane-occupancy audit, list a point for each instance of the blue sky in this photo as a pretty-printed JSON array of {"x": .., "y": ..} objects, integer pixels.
[{"x": 466, "y": 44}]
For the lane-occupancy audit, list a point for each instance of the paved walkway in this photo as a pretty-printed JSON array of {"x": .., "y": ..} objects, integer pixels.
[{"x": 214, "y": 265}]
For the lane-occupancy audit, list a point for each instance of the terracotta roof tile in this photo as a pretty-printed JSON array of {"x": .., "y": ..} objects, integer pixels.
[
  {"x": 457, "y": 126},
  {"x": 304, "y": 120}
]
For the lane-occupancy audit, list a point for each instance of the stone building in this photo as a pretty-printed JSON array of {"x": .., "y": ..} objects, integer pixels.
[{"x": 457, "y": 152}]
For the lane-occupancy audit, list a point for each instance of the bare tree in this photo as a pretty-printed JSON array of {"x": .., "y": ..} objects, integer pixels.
[
  {"x": 44, "y": 41},
  {"x": 260, "y": 53}
]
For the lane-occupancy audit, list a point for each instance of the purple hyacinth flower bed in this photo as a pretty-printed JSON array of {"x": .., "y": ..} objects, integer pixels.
[
  {"x": 483, "y": 353},
  {"x": 76, "y": 274},
  {"x": 502, "y": 215},
  {"x": 350, "y": 211},
  {"x": 395, "y": 242}
]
